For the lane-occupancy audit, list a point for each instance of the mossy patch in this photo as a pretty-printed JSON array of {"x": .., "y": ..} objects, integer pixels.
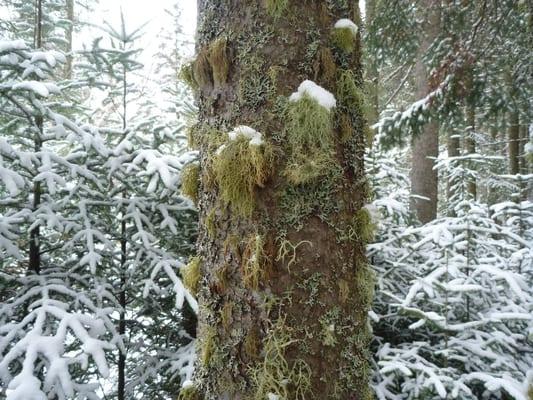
[
  {"x": 210, "y": 223},
  {"x": 190, "y": 181},
  {"x": 344, "y": 39},
  {"x": 252, "y": 344},
  {"x": 207, "y": 345},
  {"x": 276, "y": 8},
  {"x": 186, "y": 75},
  {"x": 226, "y": 315},
  {"x": 189, "y": 393},
  {"x": 191, "y": 274},
  {"x": 349, "y": 94},
  {"x": 201, "y": 69},
  {"x": 363, "y": 225},
  {"x": 274, "y": 375},
  {"x": 344, "y": 291},
  {"x": 218, "y": 55},
  {"x": 309, "y": 133},
  {"x": 254, "y": 268},
  {"x": 222, "y": 278},
  {"x": 239, "y": 168},
  {"x": 325, "y": 67}
]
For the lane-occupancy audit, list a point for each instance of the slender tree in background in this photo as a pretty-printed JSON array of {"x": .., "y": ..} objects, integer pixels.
[
  {"x": 284, "y": 285},
  {"x": 425, "y": 145}
]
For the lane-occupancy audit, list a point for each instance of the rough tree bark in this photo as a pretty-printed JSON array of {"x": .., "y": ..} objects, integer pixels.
[
  {"x": 284, "y": 285},
  {"x": 425, "y": 146}
]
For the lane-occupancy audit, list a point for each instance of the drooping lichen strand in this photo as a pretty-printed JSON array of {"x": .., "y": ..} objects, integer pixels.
[
  {"x": 344, "y": 39},
  {"x": 191, "y": 274},
  {"x": 201, "y": 69},
  {"x": 363, "y": 225},
  {"x": 186, "y": 74},
  {"x": 239, "y": 169},
  {"x": 274, "y": 375},
  {"x": 309, "y": 133},
  {"x": 276, "y": 8},
  {"x": 352, "y": 100},
  {"x": 190, "y": 181},
  {"x": 219, "y": 59},
  {"x": 189, "y": 393},
  {"x": 206, "y": 343},
  {"x": 254, "y": 262}
]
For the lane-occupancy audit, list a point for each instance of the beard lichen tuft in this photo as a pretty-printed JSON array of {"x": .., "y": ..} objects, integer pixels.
[
  {"x": 186, "y": 75},
  {"x": 344, "y": 39},
  {"x": 309, "y": 133},
  {"x": 276, "y": 8},
  {"x": 189, "y": 393},
  {"x": 191, "y": 274},
  {"x": 207, "y": 348},
  {"x": 239, "y": 168},
  {"x": 218, "y": 56},
  {"x": 190, "y": 181},
  {"x": 254, "y": 268},
  {"x": 363, "y": 225},
  {"x": 201, "y": 69},
  {"x": 273, "y": 375}
]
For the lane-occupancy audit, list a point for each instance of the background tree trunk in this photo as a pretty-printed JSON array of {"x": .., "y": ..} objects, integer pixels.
[
  {"x": 69, "y": 34},
  {"x": 513, "y": 141},
  {"x": 470, "y": 143},
  {"x": 425, "y": 146},
  {"x": 285, "y": 289}
]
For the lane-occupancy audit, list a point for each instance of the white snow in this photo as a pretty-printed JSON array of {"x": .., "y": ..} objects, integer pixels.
[
  {"x": 33, "y": 86},
  {"x": 250, "y": 133},
  {"x": 10, "y": 45},
  {"x": 316, "y": 92},
  {"x": 347, "y": 23}
]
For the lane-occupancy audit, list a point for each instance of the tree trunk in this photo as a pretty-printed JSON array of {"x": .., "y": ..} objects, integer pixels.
[
  {"x": 513, "y": 139},
  {"x": 34, "y": 257},
  {"x": 470, "y": 144},
  {"x": 453, "y": 145},
  {"x": 425, "y": 146},
  {"x": 372, "y": 70},
  {"x": 69, "y": 34},
  {"x": 284, "y": 283}
]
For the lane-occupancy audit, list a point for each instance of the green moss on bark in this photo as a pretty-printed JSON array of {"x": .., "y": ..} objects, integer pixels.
[
  {"x": 191, "y": 275},
  {"x": 254, "y": 268},
  {"x": 344, "y": 39},
  {"x": 309, "y": 133},
  {"x": 276, "y": 8},
  {"x": 218, "y": 56},
  {"x": 274, "y": 375},
  {"x": 239, "y": 168},
  {"x": 190, "y": 181},
  {"x": 189, "y": 393}
]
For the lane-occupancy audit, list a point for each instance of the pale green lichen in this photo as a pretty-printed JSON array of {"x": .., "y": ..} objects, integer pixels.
[
  {"x": 219, "y": 60},
  {"x": 226, "y": 314},
  {"x": 186, "y": 74},
  {"x": 189, "y": 393},
  {"x": 207, "y": 345},
  {"x": 364, "y": 227},
  {"x": 276, "y": 8},
  {"x": 309, "y": 133},
  {"x": 254, "y": 262},
  {"x": 210, "y": 223},
  {"x": 191, "y": 274},
  {"x": 239, "y": 168},
  {"x": 190, "y": 181},
  {"x": 274, "y": 375},
  {"x": 201, "y": 69},
  {"x": 344, "y": 39}
]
